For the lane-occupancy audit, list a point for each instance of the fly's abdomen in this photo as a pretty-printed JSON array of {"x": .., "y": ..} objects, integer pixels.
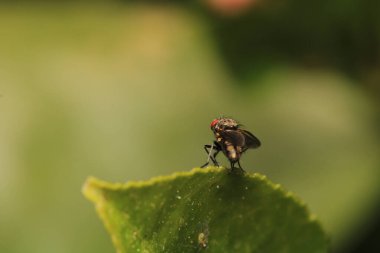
[{"x": 232, "y": 153}]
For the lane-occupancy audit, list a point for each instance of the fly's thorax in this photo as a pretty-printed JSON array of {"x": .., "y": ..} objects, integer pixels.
[
  {"x": 227, "y": 123},
  {"x": 222, "y": 124}
]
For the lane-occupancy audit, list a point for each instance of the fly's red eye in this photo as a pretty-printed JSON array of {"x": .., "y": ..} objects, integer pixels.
[{"x": 214, "y": 122}]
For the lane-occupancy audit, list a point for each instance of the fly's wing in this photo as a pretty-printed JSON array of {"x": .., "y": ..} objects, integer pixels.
[
  {"x": 251, "y": 141},
  {"x": 234, "y": 137}
]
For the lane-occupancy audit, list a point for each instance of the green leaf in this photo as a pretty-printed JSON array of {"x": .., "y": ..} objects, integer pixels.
[{"x": 205, "y": 210}]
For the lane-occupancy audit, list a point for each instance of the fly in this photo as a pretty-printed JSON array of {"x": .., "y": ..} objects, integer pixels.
[{"x": 231, "y": 139}]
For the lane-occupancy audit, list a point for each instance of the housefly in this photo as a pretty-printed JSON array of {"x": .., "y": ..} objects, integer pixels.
[{"x": 231, "y": 139}]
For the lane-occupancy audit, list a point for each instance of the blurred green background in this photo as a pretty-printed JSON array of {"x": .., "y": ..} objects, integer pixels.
[{"x": 126, "y": 91}]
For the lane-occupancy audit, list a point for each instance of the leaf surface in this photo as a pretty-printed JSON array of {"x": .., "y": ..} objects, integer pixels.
[{"x": 205, "y": 210}]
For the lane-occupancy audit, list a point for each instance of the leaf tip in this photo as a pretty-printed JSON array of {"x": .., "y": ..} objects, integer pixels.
[{"x": 91, "y": 188}]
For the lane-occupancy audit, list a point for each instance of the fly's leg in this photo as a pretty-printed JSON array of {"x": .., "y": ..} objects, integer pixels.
[
  {"x": 233, "y": 168},
  {"x": 217, "y": 149},
  {"x": 214, "y": 156},
  {"x": 242, "y": 170},
  {"x": 211, "y": 156}
]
